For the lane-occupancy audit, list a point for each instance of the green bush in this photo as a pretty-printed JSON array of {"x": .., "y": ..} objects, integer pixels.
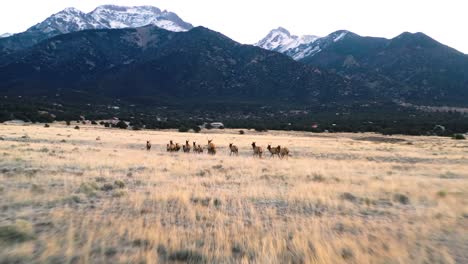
[
  {"x": 122, "y": 125},
  {"x": 120, "y": 184},
  {"x": 183, "y": 129},
  {"x": 459, "y": 137},
  {"x": 88, "y": 188},
  {"x": 187, "y": 256},
  {"x": 19, "y": 232}
]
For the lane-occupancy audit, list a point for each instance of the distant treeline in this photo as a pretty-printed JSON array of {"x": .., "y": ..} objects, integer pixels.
[{"x": 385, "y": 119}]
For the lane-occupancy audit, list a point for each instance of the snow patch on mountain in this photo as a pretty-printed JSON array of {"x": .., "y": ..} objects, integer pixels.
[
  {"x": 306, "y": 52},
  {"x": 298, "y": 48},
  {"x": 340, "y": 36},
  {"x": 5, "y": 35},
  {"x": 281, "y": 40},
  {"x": 109, "y": 16},
  {"x": 112, "y": 16}
]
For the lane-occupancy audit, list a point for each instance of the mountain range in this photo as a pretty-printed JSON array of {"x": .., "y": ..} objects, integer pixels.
[
  {"x": 103, "y": 17},
  {"x": 415, "y": 65},
  {"x": 151, "y": 62},
  {"x": 281, "y": 40},
  {"x": 143, "y": 52}
]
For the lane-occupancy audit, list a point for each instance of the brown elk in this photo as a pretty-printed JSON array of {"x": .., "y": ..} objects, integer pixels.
[
  {"x": 186, "y": 147},
  {"x": 148, "y": 145},
  {"x": 284, "y": 152},
  {"x": 233, "y": 149},
  {"x": 211, "y": 147},
  {"x": 170, "y": 146},
  {"x": 197, "y": 149},
  {"x": 274, "y": 151},
  {"x": 257, "y": 151}
]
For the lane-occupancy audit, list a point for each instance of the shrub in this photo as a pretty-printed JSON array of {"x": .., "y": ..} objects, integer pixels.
[
  {"x": 19, "y": 232},
  {"x": 68, "y": 122},
  {"x": 241, "y": 132},
  {"x": 188, "y": 256},
  {"x": 442, "y": 194},
  {"x": 217, "y": 202},
  {"x": 94, "y": 122},
  {"x": 100, "y": 179},
  {"x": 88, "y": 188},
  {"x": 349, "y": 197},
  {"x": 37, "y": 189},
  {"x": 110, "y": 251},
  {"x": 401, "y": 198},
  {"x": 107, "y": 187},
  {"x": 196, "y": 129},
  {"x": 107, "y": 124},
  {"x": 141, "y": 243},
  {"x": 77, "y": 127},
  {"x": 122, "y": 125},
  {"x": 318, "y": 178},
  {"x": 119, "y": 184},
  {"x": 46, "y": 125},
  {"x": 119, "y": 193},
  {"x": 347, "y": 253},
  {"x": 183, "y": 129},
  {"x": 459, "y": 137},
  {"x": 162, "y": 251}
]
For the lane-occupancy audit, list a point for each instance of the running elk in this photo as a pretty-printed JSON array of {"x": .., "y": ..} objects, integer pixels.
[
  {"x": 186, "y": 147},
  {"x": 257, "y": 151},
  {"x": 274, "y": 151},
  {"x": 233, "y": 149},
  {"x": 211, "y": 147},
  {"x": 148, "y": 145},
  {"x": 171, "y": 147},
  {"x": 284, "y": 152}
]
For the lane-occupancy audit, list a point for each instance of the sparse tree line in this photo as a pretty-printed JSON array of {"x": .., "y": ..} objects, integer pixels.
[{"x": 387, "y": 121}]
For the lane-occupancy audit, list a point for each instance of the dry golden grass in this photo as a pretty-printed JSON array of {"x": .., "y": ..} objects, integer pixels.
[{"x": 340, "y": 198}]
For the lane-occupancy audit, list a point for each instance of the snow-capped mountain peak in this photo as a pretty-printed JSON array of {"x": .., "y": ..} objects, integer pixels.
[
  {"x": 103, "y": 17},
  {"x": 112, "y": 16},
  {"x": 66, "y": 21},
  {"x": 298, "y": 48},
  {"x": 5, "y": 35},
  {"x": 281, "y": 40},
  {"x": 109, "y": 16},
  {"x": 338, "y": 35},
  {"x": 71, "y": 10}
]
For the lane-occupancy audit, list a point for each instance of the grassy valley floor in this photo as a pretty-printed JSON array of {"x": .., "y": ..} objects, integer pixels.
[{"x": 67, "y": 197}]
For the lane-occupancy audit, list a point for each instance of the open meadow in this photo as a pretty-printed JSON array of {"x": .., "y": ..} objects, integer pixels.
[{"x": 66, "y": 197}]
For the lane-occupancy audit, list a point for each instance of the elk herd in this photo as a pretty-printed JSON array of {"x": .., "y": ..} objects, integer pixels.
[{"x": 257, "y": 151}]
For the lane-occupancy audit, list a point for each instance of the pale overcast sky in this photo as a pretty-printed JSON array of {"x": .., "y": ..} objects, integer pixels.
[{"x": 247, "y": 21}]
